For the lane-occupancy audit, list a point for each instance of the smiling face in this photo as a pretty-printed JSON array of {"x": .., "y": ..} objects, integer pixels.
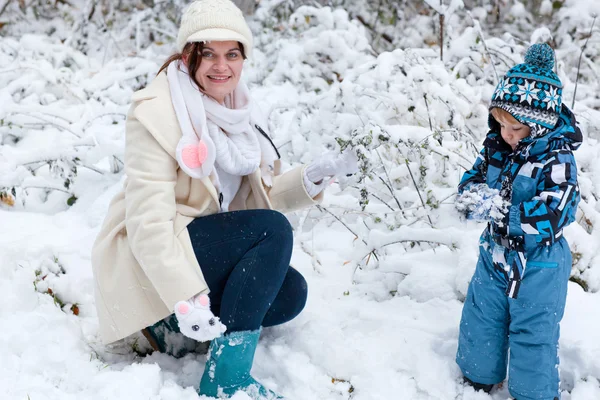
[
  {"x": 512, "y": 131},
  {"x": 220, "y": 68}
]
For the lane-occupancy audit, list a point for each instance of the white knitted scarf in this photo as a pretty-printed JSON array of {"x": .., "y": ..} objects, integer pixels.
[{"x": 212, "y": 132}]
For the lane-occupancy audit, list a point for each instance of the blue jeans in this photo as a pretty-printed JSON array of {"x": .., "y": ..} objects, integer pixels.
[
  {"x": 244, "y": 257},
  {"x": 494, "y": 326}
]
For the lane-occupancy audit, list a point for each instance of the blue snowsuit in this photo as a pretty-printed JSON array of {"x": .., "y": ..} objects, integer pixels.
[{"x": 517, "y": 295}]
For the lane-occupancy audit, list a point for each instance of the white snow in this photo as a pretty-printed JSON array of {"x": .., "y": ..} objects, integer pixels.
[{"x": 385, "y": 287}]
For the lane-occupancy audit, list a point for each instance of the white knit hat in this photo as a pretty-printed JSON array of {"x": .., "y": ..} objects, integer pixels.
[{"x": 214, "y": 20}]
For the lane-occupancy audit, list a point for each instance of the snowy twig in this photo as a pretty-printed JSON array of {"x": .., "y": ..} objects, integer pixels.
[
  {"x": 4, "y": 7},
  {"x": 442, "y": 19},
  {"x": 579, "y": 62},
  {"x": 443, "y": 13},
  {"x": 117, "y": 164},
  {"x": 385, "y": 36},
  {"x": 428, "y": 113},
  {"x": 453, "y": 152},
  {"x": 391, "y": 192},
  {"x": 431, "y": 242},
  {"x": 49, "y": 122},
  {"x": 89, "y": 123},
  {"x": 478, "y": 27},
  {"x": 440, "y": 202},
  {"x": 46, "y": 188},
  {"x": 321, "y": 208},
  {"x": 381, "y": 200},
  {"x": 389, "y": 182},
  {"x": 162, "y": 31},
  {"x": 312, "y": 256},
  {"x": 109, "y": 33},
  {"x": 92, "y": 169},
  {"x": 499, "y": 53},
  {"x": 46, "y": 161},
  {"x": 593, "y": 67},
  {"x": 35, "y": 116},
  {"x": 377, "y": 197},
  {"x": 417, "y": 188}
]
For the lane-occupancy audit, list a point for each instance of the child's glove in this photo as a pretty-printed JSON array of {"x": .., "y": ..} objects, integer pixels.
[
  {"x": 481, "y": 203},
  {"x": 332, "y": 164},
  {"x": 196, "y": 321}
]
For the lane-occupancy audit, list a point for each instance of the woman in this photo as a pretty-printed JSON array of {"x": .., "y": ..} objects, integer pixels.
[{"x": 196, "y": 213}]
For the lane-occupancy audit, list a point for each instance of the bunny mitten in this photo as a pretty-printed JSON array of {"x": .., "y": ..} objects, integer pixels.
[{"x": 196, "y": 321}]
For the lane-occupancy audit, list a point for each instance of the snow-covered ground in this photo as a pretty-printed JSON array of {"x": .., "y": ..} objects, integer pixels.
[
  {"x": 376, "y": 327},
  {"x": 356, "y": 338}
]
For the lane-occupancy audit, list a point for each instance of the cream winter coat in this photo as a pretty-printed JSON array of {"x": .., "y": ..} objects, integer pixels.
[{"x": 143, "y": 260}]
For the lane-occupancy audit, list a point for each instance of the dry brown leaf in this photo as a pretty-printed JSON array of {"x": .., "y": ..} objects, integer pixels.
[{"x": 7, "y": 199}]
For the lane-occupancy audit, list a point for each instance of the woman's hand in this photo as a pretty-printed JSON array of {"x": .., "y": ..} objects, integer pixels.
[
  {"x": 332, "y": 164},
  {"x": 196, "y": 321}
]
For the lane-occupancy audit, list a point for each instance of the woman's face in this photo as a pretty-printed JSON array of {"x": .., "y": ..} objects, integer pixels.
[{"x": 220, "y": 68}]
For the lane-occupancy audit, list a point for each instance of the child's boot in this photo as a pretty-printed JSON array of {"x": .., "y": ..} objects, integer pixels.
[
  {"x": 478, "y": 386},
  {"x": 228, "y": 367}
]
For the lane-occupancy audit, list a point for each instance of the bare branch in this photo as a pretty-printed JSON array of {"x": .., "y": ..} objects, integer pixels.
[
  {"x": 321, "y": 208},
  {"x": 417, "y": 188},
  {"x": 388, "y": 184},
  {"x": 579, "y": 62},
  {"x": 478, "y": 27}
]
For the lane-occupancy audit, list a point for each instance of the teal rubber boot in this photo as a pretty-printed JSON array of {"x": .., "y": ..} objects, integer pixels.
[{"x": 228, "y": 368}]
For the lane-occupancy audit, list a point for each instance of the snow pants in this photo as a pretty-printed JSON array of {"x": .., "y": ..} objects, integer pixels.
[{"x": 493, "y": 324}]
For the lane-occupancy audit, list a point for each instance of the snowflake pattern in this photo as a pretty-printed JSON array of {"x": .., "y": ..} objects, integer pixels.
[
  {"x": 532, "y": 91},
  {"x": 523, "y": 91},
  {"x": 502, "y": 89},
  {"x": 528, "y": 92},
  {"x": 554, "y": 99}
]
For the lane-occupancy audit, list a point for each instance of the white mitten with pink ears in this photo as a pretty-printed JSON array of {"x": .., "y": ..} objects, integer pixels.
[{"x": 196, "y": 321}]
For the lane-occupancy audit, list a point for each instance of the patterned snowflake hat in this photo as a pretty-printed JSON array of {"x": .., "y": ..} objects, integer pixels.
[{"x": 531, "y": 92}]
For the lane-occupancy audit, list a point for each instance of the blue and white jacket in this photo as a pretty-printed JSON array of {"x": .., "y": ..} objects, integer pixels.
[{"x": 539, "y": 176}]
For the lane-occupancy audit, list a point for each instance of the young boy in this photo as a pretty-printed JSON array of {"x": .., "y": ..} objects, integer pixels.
[{"x": 524, "y": 184}]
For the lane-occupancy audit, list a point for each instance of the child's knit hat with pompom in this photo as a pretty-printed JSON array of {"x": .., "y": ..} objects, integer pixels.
[{"x": 531, "y": 92}]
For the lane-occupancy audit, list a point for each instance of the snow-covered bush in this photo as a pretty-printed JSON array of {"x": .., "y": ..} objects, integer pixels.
[
  {"x": 61, "y": 120},
  {"x": 385, "y": 258},
  {"x": 325, "y": 79},
  {"x": 107, "y": 28},
  {"x": 417, "y": 122}
]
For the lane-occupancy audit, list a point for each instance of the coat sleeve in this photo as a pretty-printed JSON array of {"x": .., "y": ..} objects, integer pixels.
[
  {"x": 288, "y": 192},
  {"x": 476, "y": 174},
  {"x": 555, "y": 204},
  {"x": 150, "y": 216}
]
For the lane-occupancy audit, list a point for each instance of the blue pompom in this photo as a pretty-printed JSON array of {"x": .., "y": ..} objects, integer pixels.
[{"x": 540, "y": 55}]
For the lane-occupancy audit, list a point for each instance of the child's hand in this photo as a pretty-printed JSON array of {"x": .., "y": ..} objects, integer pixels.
[
  {"x": 481, "y": 203},
  {"x": 196, "y": 321}
]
